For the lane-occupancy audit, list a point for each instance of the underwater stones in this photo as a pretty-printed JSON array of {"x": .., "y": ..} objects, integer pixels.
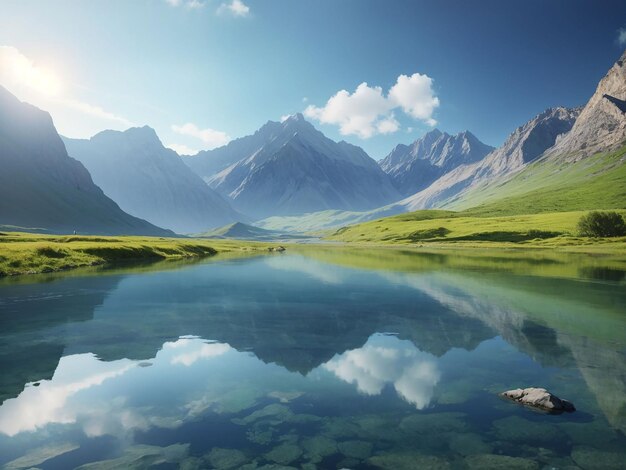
[
  {"x": 237, "y": 400},
  {"x": 274, "y": 414},
  {"x": 468, "y": 444},
  {"x": 191, "y": 463},
  {"x": 515, "y": 430},
  {"x": 258, "y": 436},
  {"x": 592, "y": 434},
  {"x": 592, "y": 459},
  {"x": 284, "y": 453},
  {"x": 40, "y": 455},
  {"x": 285, "y": 397},
  {"x": 539, "y": 398},
  {"x": 408, "y": 461},
  {"x": 225, "y": 458},
  {"x": 142, "y": 456},
  {"x": 434, "y": 423},
  {"x": 341, "y": 428},
  {"x": 348, "y": 463},
  {"x": 355, "y": 449},
  {"x": 319, "y": 446},
  {"x": 499, "y": 462}
]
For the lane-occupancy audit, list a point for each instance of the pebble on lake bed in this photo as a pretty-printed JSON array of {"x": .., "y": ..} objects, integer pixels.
[{"x": 539, "y": 398}]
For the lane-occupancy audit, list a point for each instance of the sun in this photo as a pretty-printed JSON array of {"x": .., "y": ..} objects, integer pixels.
[{"x": 21, "y": 71}]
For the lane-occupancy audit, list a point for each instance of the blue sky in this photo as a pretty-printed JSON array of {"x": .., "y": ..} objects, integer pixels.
[{"x": 203, "y": 71}]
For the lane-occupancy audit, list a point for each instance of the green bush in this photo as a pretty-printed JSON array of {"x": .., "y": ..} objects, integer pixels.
[{"x": 601, "y": 224}]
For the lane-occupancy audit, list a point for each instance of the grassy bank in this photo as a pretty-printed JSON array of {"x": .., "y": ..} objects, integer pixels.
[
  {"x": 26, "y": 253},
  {"x": 446, "y": 228}
]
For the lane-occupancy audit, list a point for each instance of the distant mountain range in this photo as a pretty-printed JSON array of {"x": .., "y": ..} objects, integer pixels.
[
  {"x": 416, "y": 166},
  {"x": 291, "y": 168},
  {"x": 289, "y": 176},
  {"x": 150, "y": 181},
  {"x": 41, "y": 187}
]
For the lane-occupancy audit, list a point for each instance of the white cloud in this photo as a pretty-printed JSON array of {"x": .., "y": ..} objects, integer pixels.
[
  {"x": 621, "y": 36},
  {"x": 235, "y": 8},
  {"x": 284, "y": 117},
  {"x": 415, "y": 96},
  {"x": 182, "y": 149},
  {"x": 211, "y": 138},
  {"x": 96, "y": 111},
  {"x": 388, "y": 360},
  {"x": 368, "y": 112},
  {"x": 192, "y": 4}
]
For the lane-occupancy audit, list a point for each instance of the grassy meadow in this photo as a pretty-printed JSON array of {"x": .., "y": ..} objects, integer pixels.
[
  {"x": 26, "y": 253},
  {"x": 437, "y": 227}
]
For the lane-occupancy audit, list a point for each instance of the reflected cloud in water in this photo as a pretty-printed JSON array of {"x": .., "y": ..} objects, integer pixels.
[
  {"x": 53, "y": 401},
  {"x": 386, "y": 360},
  {"x": 189, "y": 351}
]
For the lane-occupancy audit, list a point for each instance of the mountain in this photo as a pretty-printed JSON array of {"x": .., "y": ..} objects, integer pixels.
[
  {"x": 291, "y": 168},
  {"x": 151, "y": 181},
  {"x": 414, "y": 167},
  {"x": 524, "y": 145},
  {"x": 601, "y": 125},
  {"x": 241, "y": 231},
  {"x": 42, "y": 187}
]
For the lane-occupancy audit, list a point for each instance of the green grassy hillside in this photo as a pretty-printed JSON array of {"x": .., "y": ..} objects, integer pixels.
[
  {"x": 553, "y": 185},
  {"x": 446, "y": 227},
  {"x": 540, "y": 206}
]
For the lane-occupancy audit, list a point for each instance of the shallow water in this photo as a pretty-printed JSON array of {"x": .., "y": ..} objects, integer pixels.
[{"x": 322, "y": 358}]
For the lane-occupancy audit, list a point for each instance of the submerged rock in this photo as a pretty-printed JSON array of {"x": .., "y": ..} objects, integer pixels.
[
  {"x": 434, "y": 423},
  {"x": 504, "y": 462},
  {"x": 539, "y": 398},
  {"x": 356, "y": 449},
  {"x": 40, "y": 455},
  {"x": 468, "y": 444},
  {"x": 320, "y": 446},
  {"x": 591, "y": 459},
  {"x": 408, "y": 461},
  {"x": 518, "y": 430},
  {"x": 284, "y": 454},
  {"x": 226, "y": 458},
  {"x": 142, "y": 456}
]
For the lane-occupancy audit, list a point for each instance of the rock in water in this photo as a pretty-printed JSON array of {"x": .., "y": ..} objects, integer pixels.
[{"x": 539, "y": 398}]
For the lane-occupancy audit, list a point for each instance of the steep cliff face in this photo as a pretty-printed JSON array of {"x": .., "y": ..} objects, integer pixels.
[
  {"x": 601, "y": 125},
  {"x": 42, "y": 187}
]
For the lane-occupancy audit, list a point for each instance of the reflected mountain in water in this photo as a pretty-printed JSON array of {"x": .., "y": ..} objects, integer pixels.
[{"x": 301, "y": 313}]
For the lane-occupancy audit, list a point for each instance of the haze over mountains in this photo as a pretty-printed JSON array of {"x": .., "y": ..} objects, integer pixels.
[
  {"x": 291, "y": 168},
  {"x": 41, "y": 187},
  {"x": 150, "y": 181},
  {"x": 289, "y": 172}
]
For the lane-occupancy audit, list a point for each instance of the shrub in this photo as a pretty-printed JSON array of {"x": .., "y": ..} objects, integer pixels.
[{"x": 601, "y": 224}]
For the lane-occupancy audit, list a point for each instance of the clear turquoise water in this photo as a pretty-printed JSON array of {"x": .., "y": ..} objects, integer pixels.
[{"x": 314, "y": 361}]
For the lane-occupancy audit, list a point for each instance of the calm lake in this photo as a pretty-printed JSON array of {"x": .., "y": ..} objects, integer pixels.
[{"x": 316, "y": 358}]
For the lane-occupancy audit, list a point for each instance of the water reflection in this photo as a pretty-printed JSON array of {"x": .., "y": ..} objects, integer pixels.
[
  {"x": 386, "y": 360},
  {"x": 282, "y": 360}
]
